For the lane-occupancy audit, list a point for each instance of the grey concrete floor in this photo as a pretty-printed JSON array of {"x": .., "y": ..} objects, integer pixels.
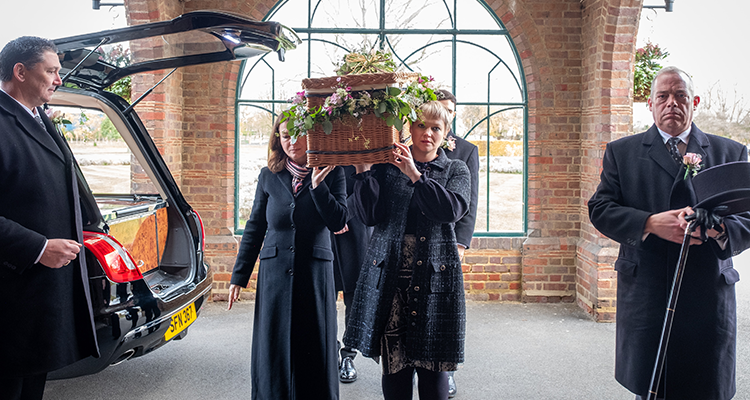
[{"x": 513, "y": 351}]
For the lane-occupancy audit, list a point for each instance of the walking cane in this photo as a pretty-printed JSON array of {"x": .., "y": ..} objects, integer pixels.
[{"x": 707, "y": 221}]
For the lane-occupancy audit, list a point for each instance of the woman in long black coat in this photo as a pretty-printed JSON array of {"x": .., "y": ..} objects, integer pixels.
[
  {"x": 294, "y": 331},
  {"x": 349, "y": 248},
  {"x": 409, "y": 303}
]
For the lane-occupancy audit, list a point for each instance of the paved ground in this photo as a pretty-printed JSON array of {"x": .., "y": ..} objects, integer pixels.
[{"x": 514, "y": 351}]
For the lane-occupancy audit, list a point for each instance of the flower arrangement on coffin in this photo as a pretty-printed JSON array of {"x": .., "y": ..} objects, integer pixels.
[
  {"x": 394, "y": 105},
  {"x": 363, "y": 109}
]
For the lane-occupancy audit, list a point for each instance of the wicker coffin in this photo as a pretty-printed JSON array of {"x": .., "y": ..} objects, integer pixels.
[{"x": 350, "y": 142}]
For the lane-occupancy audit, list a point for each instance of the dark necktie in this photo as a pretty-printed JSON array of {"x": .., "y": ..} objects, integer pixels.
[
  {"x": 673, "y": 150},
  {"x": 39, "y": 120}
]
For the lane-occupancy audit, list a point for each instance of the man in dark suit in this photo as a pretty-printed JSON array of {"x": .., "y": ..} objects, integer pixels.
[
  {"x": 641, "y": 202},
  {"x": 349, "y": 248},
  {"x": 469, "y": 154},
  {"x": 47, "y": 319}
]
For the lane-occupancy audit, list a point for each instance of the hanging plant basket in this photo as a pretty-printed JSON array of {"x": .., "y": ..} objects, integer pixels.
[{"x": 644, "y": 70}]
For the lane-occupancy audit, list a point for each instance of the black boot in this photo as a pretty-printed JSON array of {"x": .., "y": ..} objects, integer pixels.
[
  {"x": 347, "y": 371},
  {"x": 451, "y": 385}
]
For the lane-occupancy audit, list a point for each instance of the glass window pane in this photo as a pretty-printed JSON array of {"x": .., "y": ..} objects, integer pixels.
[
  {"x": 347, "y": 14},
  {"x": 256, "y": 123},
  {"x": 483, "y": 73},
  {"x": 500, "y": 206},
  {"x": 473, "y": 15},
  {"x": 292, "y": 13},
  {"x": 106, "y": 162},
  {"x": 176, "y": 45},
  {"x": 502, "y": 211},
  {"x": 424, "y": 14},
  {"x": 268, "y": 78},
  {"x": 429, "y": 54},
  {"x": 328, "y": 51}
]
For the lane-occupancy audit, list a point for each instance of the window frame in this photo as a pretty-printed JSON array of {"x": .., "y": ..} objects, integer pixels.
[{"x": 457, "y": 36}]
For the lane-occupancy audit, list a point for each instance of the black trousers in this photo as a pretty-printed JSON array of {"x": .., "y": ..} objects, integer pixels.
[
  {"x": 24, "y": 388},
  {"x": 347, "y": 351},
  {"x": 431, "y": 385}
]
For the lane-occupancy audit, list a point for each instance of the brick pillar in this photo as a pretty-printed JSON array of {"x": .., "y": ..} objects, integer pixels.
[
  {"x": 610, "y": 29},
  {"x": 547, "y": 35},
  {"x": 160, "y": 111}
]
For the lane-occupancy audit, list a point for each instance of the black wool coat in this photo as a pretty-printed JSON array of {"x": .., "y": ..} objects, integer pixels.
[
  {"x": 639, "y": 178},
  {"x": 47, "y": 317},
  {"x": 349, "y": 248},
  {"x": 438, "y": 322},
  {"x": 294, "y": 350},
  {"x": 469, "y": 154}
]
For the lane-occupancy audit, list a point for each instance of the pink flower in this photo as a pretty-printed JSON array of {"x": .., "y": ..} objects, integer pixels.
[
  {"x": 449, "y": 144},
  {"x": 334, "y": 98},
  {"x": 53, "y": 114},
  {"x": 692, "y": 163}
]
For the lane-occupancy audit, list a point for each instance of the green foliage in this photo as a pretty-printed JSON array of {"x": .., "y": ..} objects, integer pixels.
[
  {"x": 120, "y": 57},
  {"x": 108, "y": 131},
  {"x": 362, "y": 62},
  {"x": 122, "y": 88},
  {"x": 394, "y": 105},
  {"x": 646, "y": 67}
]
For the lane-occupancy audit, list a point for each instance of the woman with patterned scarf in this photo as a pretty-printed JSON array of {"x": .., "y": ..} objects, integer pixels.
[
  {"x": 294, "y": 350},
  {"x": 408, "y": 307}
]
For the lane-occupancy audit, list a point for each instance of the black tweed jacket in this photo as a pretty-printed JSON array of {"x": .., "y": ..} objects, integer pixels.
[{"x": 437, "y": 316}]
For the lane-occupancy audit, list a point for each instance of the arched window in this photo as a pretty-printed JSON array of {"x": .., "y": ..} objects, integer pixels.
[{"x": 461, "y": 43}]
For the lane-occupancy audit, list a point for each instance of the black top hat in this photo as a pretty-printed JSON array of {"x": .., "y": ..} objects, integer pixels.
[{"x": 724, "y": 185}]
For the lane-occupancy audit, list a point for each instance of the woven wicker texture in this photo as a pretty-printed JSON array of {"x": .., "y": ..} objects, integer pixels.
[
  {"x": 359, "y": 82},
  {"x": 350, "y": 142}
]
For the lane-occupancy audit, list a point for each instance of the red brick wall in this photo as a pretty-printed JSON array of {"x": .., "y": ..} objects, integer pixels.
[
  {"x": 577, "y": 60},
  {"x": 547, "y": 34},
  {"x": 610, "y": 32}
]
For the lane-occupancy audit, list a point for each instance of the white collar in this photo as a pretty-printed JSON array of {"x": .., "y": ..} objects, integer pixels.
[
  {"x": 684, "y": 136},
  {"x": 30, "y": 111}
]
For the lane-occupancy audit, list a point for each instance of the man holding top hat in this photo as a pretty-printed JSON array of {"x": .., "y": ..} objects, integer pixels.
[{"x": 646, "y": 191}]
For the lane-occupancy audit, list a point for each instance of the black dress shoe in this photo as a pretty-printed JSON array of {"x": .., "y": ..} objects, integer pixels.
[
  {"x": 347, "y": 372},
  {"x": 451, "y": 386}
]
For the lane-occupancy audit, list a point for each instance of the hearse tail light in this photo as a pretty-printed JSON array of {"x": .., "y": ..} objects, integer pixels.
[
  {"x": 116, "y": 262},
  {"x": 203, "y": 231}
]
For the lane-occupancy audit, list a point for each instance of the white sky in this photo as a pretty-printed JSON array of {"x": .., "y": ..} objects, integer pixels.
[
  {"x": 705, "y": 38},
  {"x": 54, "y": 19}
]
